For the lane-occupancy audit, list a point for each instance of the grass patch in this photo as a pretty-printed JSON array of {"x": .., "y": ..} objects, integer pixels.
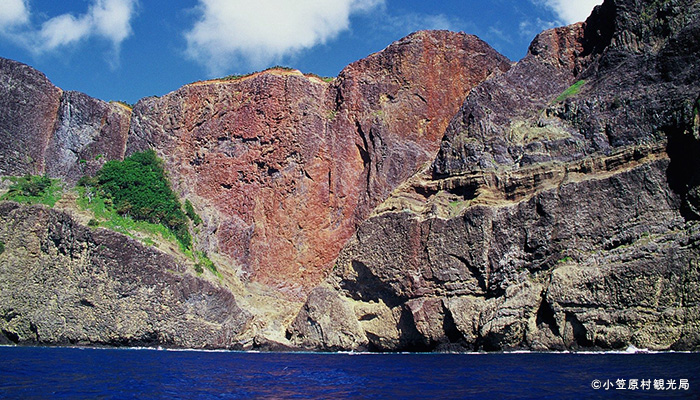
[
  {"x": 203, "y": 261},
  {"x": 331, "y": 114},
  {"x": 124, "y": 103},
  {"x": 564, "y": 260},
  {"x": 2, "y": 247},
  {"x": 571, "y": 91},
  {"x": 137, "y": 190},
  {"x": 234, "y": 77},
  {"x": 107, "y": 217},
  {"x": 34, "y": 189}
]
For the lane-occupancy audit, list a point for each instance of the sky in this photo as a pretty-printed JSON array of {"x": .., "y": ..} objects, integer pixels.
[{"x": 129, "y": 49}]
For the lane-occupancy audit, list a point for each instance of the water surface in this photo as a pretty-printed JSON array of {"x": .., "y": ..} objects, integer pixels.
[{"x": 83, "y": 373}]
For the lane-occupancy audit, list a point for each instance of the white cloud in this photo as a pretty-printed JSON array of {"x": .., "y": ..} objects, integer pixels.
[
  {"x": 107, "y": 19},
  {"x": 570, "y": 11},
  {"x": 260, "y": 32},
  {"x": 62, "y": 30},
  {"x": 112, "y": 18},
  {"x": 13, "y": 13}
]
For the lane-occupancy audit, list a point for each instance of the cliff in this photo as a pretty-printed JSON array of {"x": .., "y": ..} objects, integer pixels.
[
  {"x": 560, "y": 212},
  {"x": 45, "y": 130},
  {"x": 280, "y": 166},
  {"x": 283, "y": 166},
  {"x": 433, "y": 196},
  {"x": 63, "y": 283}
]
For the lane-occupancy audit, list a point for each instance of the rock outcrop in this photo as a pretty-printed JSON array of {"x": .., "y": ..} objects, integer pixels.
[
  {"x": 560, "y": 213},
  {"x": 64, "y": 283},
  {"x": 45, "y": 130},
  {"x": 283, "y": 166}
]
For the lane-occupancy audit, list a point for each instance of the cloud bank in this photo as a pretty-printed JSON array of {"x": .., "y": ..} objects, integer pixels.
[
  {"x": 107, "y": 19},
  {"x": 260, "y": 32},
  {"x": 570, "y": 11},
  {"x": 13, "y": 13}
]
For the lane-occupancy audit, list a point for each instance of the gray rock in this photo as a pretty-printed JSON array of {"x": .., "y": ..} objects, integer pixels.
[{"x": 63, "y": 283}]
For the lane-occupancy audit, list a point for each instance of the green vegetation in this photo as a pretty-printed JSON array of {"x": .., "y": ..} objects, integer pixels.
[
  {"x": 132, "y": 197},
  {"x": 571, "y": 91},
  {"x": 204, "y": 262},
  {"x": 326, "y": 79},
  {"x": 137, "y": 189},
  {"x": 566, "y": 259},
  {"x": 34, "y": 189},
  {"x": 331, "y": 114},
  {"x": 106, "y": 216},
  {"x": 282, "y": 67},
  {"x": 191, "y": 214},
  {"x": 124, "y": 103},
  {"x": 233, "y": 77}
]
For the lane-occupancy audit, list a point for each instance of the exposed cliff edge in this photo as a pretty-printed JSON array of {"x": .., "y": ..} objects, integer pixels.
[{"x": 560, "y": 213}]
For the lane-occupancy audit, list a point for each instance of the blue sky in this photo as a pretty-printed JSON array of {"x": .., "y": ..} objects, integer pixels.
[{"x": 129, "y": 49}]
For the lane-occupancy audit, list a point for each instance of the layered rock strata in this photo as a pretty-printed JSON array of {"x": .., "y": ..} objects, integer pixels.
[{"x": 560, "y": 213}]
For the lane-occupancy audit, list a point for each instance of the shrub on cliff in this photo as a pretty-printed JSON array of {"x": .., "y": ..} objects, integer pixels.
[
  {"x": 139, "y": 189},
  {"x": 34, "y": 189}
]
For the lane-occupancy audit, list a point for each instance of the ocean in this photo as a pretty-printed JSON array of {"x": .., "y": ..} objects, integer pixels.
[{"x": 93, "y": 373}]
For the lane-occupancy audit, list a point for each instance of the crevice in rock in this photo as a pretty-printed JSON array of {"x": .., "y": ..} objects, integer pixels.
[
  {"x": 545, "y": 316},
  {"x": 467, "y": 192},
  {"x": 474, "y": 271},
  {"x": 579, "y": 330},
  {"x": 684, "y": 169},
  {"x": 369, "y": 287},
  {"x": 35, "y": 331},
  {"x": 411, "y": 338},
  {"x": 86, "y": 303},
  {"x": 450, "y": 327},
  {"x": 11, "y": 336}
]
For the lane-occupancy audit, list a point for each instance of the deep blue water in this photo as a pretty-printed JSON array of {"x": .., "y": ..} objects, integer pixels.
[{"x": 74, "y": 373}]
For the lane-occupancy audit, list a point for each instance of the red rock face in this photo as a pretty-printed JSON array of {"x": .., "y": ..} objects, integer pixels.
[{"x": 283, "y": 166}]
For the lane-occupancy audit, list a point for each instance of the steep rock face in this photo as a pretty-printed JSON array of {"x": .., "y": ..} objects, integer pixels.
[
  {"x": 283, "y": 166},
  {"x": 88, "y": 133},
  {"x": 634, "y": 84},
  {"x": 63, "y": 283},
  {"x": 28, "y": 108},
  {"x": 560, "y": 212},
  {"x": 45, "y": 130},
  {"x": 397, "y": 103}
]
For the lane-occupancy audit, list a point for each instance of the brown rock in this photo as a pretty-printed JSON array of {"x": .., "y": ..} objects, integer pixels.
[
  {"x": 283, "y": 166},
  {"x": 556, "y": 216}
]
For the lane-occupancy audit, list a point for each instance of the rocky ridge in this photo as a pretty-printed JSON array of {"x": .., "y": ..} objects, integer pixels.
[
  {"x": 63, "y": 283},
  {"x": 45, "y": 130},
  {"x": 558, "y": 214}
]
